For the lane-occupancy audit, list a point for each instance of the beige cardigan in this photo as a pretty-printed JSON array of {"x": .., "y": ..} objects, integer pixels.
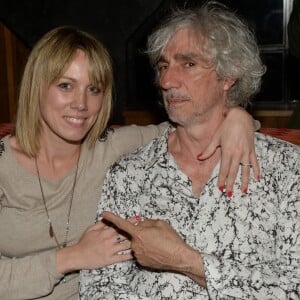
[{"x": 27, "y": 253}]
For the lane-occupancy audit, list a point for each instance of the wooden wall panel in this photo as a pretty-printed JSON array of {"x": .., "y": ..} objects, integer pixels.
[
  {"x": 13, "y": 56},
  {"x": 4, "y": 109}
]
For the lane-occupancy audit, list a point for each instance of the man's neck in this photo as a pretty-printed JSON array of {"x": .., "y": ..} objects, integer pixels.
[
  {"x": 185, "y": 143},
  {"x": 194, "y": 138}
]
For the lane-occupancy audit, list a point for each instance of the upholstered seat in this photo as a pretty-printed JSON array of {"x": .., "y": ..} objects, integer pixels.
[
  {"x": 290, "y": 135},
  {"x": 6, "y": 128}
]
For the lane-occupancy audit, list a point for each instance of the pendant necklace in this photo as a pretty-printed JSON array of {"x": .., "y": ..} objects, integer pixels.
[{"x": 51, "y": 230}]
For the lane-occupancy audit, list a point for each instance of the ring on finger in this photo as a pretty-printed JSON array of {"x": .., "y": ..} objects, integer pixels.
[
  {"x": 138, "y": 220},
  {"x": 246, "y": 165}
]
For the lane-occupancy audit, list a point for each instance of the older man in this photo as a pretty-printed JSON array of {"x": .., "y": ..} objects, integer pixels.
[{"x": 194, "y": 242}]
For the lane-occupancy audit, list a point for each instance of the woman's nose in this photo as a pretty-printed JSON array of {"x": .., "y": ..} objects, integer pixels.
[{"x": 80, "y": 102}]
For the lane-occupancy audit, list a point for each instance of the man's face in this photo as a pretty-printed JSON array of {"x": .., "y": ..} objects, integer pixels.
[{"x": 191, "y": 90}]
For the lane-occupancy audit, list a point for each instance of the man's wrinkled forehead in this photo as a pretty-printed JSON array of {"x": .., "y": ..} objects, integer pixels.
[{"x": 185, "y": 44}]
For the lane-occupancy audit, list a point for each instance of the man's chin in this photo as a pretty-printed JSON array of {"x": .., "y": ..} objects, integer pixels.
[{"x": 179, "y": 120}]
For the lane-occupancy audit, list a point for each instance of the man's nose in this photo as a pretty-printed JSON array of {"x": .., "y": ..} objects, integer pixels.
[{"x": 169, "y": 78}]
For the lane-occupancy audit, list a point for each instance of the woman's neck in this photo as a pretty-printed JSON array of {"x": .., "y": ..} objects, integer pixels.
[{"x": 54, "y": 162}]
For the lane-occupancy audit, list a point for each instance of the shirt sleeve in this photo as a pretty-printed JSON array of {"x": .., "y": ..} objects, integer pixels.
[
  {"x": 28, "y": 277},
  {"x": 278, "y": 278},
  {"x": 112, "y": 282}
]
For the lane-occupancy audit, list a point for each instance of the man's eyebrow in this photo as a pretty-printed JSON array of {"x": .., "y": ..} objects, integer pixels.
[
  {"x": 161, "y": 59},
  {"x": 187, "y": 56},
  {"x": 182, "y": 57}
]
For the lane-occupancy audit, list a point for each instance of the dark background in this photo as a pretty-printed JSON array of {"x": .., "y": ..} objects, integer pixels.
[{"x": 123, "y": 27}]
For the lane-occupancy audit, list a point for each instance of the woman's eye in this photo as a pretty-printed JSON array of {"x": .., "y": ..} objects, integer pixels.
[
  {"x": 95, "y": 90},
  {"x": 64, "y": 86}
]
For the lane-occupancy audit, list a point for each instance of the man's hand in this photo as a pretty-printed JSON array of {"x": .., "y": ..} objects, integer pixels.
[{"x": 156, "y": 245}]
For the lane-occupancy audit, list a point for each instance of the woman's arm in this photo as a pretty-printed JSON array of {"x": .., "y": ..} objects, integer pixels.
[
  {"x": 98, "y": 247},
  {"x": 235, "y": 137},
  {"x": 21, "y": 277},
  {"x": 35, "y": 276}
]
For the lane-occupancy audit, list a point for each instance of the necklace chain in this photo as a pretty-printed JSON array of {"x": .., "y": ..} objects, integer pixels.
[{"x": 51, "y": 230}]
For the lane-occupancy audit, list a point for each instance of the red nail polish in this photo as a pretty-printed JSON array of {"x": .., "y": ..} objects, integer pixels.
[
  {"x": 199, "y": 155},
  {"x": 229, "y": 194},
  {"x": 258, "y": 178},
  {"x": 138, "y": 218},
  {"x": 221, "y": 188},
  {"x": 245, "y": 191}
]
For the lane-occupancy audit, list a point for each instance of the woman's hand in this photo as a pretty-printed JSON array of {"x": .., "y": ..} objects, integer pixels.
[
  {"x": 236, "y": 138},
  {"x": 99, "y": 246}
]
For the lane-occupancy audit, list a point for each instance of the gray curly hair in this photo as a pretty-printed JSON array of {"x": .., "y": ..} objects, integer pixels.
[{"x": 231, "y": 46}]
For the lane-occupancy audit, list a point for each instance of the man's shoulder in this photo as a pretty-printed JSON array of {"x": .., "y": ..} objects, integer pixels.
[
  {"x": 276, "y": 151},
  {"x": 145, "y": 155},
  {"x": 274, "y": 143}
]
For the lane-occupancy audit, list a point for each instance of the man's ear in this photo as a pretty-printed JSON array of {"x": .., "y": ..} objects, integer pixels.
[{"x": 228, "y": 83}]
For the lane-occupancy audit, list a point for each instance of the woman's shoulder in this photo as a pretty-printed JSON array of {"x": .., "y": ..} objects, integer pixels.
[{"x": 11, "y": 155}]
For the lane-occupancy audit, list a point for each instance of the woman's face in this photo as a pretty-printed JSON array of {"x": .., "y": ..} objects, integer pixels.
[{"x": 70, "y": 105}]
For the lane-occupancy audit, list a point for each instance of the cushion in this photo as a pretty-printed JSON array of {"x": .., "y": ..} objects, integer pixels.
[
  {"x": 6, "y": 128},
  {"x": 289, "y": 135}
]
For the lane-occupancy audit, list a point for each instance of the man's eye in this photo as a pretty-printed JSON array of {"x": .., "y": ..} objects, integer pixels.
[
  {"x": 95, "y": 90},
  {"x": 189, "y": 64},
  {"x": 64, "y": 86},
  {"x": 161, "y": 67}
]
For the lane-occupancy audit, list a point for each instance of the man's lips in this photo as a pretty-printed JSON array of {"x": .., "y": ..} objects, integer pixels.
[{"x": 176, "y": 100}]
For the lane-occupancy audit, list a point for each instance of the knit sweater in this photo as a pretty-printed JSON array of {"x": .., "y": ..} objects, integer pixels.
[{"x": 27, "y": 253}]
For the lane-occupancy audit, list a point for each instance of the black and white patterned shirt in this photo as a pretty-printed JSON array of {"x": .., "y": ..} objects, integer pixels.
[{"x": 250, "y": 243}]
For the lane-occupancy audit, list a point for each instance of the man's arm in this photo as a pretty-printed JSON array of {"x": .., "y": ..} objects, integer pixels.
[
  {"x": 277, "y": 276},
  {"x": 110, "y": 282},
  {"x": 157, "y": 245}
]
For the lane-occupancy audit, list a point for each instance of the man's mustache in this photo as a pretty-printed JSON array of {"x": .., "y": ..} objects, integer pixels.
[{"x": 171, "y": 94}]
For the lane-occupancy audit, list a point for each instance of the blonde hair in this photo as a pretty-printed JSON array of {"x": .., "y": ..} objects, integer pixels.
[{"x": 47, "y": 61}]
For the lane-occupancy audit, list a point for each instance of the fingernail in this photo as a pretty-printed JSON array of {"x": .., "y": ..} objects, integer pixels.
[
  {"x": 229, "y": 194},
  {"x": 221, "y": 188},
  {"x": 245, "y": 191},
  {"x": 199, "y": 155},
  {"x": 138, "y": 218},
  {"x": 258, "y": 178}
]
